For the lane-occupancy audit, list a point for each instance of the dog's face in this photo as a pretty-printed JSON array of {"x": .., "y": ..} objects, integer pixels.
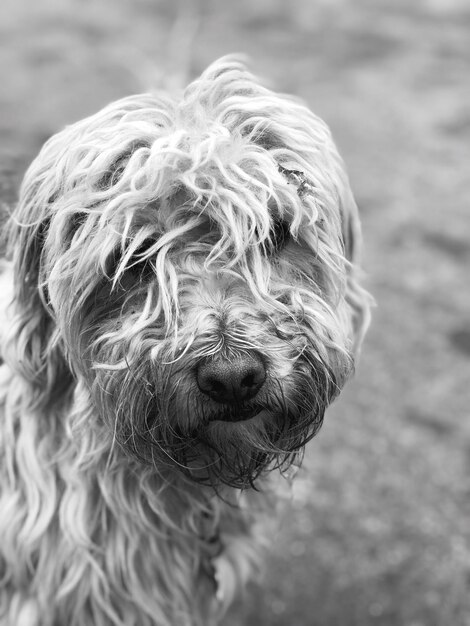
[{"x": 186, "y": 263}]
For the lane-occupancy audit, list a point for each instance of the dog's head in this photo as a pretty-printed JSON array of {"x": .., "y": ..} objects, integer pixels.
[{"x": 190, "y": 265}]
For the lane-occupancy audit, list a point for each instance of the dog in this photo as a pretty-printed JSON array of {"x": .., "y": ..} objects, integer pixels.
[{"x": 186, "y": 303}]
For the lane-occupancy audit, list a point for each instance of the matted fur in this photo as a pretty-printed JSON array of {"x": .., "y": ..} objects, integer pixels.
[{"x": 150, "y": 239}]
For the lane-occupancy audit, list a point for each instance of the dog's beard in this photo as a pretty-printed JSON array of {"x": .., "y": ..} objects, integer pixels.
[{"x": 157, "y": 414}]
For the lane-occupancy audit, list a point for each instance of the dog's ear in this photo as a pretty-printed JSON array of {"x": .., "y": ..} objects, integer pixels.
[
  {"x": 32, "y": 345},
  {"x": 357, "y": 297}
]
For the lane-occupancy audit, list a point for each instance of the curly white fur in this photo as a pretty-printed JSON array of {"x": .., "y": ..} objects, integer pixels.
[{"x": 157, "y": 235}]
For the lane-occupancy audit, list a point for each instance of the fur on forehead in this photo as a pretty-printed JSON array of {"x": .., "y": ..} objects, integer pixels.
[
  {"x": 156, "y": 168},
  {"x": 224, "y": 137}
]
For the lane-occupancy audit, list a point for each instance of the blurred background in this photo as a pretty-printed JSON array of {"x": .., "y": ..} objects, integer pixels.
[{"x": 379, "y": 526}]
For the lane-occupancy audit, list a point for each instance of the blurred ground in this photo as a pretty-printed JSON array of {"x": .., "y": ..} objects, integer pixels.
[{"x": 379, "y": 528}]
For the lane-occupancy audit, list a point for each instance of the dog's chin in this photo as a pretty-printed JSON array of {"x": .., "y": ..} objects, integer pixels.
[{"x": 236, "y": 452}]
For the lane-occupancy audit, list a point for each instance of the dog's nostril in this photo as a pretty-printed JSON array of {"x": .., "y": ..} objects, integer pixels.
[
  {"x": 212, "y": 385},
  {"x": 249, "y": 381},
  {"x": 231, "y": 380}
]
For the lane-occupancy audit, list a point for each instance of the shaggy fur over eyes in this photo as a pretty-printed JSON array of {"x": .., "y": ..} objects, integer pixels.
[{"x": 185, "y": 307}]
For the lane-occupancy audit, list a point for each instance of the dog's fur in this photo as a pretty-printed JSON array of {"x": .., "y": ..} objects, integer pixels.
[{"x": 157, "y": 246}]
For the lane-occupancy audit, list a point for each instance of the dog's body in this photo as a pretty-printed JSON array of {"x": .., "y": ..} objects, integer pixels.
[{"x": 185, "y": 307}]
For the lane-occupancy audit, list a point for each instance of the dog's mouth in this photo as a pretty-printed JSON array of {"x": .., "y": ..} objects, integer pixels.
[
  {"x": 234, "y": 448},
  {"x": 240, "y": 414},
  {"x": 240, "y": 428}
]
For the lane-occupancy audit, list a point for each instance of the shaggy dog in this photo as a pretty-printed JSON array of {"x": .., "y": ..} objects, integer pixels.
[{"x": 185, "y": 307}]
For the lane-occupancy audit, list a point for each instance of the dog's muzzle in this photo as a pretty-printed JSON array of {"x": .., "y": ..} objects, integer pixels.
[{"x": 232, "y": 381}]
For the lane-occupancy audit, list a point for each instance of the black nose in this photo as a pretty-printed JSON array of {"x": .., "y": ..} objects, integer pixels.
[{"x": 232, "y": 380}]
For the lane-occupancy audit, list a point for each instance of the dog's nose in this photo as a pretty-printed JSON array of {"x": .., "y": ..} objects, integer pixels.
[{"x": 232, "y": 380}]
